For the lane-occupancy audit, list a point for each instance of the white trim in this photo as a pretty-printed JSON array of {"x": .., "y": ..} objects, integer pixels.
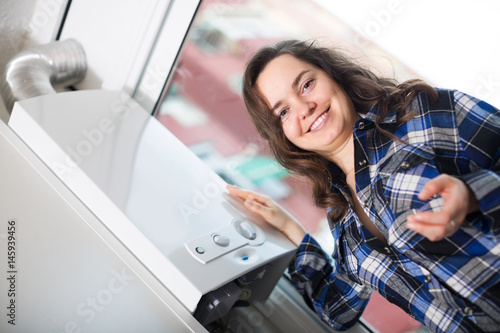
[
  {"x": 117, "y": 36},
  {"x": 45, "y": 21},
  {"x": 164, "y": 56}
]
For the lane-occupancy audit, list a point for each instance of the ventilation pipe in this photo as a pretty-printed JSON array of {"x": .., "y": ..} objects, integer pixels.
[{"x": 36, "y": 70}]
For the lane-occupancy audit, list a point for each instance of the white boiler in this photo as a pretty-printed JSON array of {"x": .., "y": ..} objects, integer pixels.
[{"x": 154, "y": 197}]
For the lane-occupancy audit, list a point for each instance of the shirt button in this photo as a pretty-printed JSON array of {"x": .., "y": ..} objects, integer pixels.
[
  {"x": 366, "y": 203},
  {"x": 427, "y": 279},
  {"x": 468, "y": 311},
  {"x": 405, "y": 165},
  {"x": 361, "y": 125},
  {"x": 362, "y": 162},
  {"x": 388, "y": 250}
]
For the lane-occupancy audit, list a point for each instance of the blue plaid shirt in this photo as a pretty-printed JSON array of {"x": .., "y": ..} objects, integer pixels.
[{"x": 452, "y": 285}]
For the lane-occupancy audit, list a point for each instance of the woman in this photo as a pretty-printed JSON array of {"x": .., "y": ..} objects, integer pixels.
[{"x": 410, "y": 177}]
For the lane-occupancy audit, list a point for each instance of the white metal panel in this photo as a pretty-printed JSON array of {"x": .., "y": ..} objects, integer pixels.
[{"x": 62, "y": 269}]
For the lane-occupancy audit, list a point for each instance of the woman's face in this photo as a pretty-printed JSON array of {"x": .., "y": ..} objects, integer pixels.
[{"x": 315, "y": 112}]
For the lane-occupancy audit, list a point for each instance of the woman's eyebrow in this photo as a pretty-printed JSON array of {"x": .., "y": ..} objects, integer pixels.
[
  {"x": 295, "y": 83},
  {"x": 298, "y": 78}
]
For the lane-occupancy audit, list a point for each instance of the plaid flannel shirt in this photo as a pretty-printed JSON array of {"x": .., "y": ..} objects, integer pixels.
[{"x": 452, "y": 285}]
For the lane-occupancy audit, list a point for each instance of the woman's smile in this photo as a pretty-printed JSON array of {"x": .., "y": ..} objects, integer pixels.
[{"x": 319, "y": 122}]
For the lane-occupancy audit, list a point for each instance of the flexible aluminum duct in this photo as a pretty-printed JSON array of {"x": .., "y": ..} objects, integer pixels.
[{"x": 35, "y": 70}]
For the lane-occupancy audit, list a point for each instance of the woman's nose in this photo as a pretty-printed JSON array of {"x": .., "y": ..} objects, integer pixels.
[{"x": 306, "y": 108}]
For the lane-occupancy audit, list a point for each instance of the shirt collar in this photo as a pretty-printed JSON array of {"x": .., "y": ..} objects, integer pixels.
[{"x": 371, "y": 116}]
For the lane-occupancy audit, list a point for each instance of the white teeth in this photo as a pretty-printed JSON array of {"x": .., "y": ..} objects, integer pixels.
[{"x": 318, "y": 121}]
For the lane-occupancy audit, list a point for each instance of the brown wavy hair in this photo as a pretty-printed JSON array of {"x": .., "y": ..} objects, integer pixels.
[{"x": 365, "y": 89}]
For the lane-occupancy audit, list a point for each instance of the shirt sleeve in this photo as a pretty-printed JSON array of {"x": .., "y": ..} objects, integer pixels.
[
  {"x": 333, "y": 296},
  {"x": 479, "y": 130}
]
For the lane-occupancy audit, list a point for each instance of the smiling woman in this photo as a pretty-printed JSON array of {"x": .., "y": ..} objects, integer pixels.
[{"x": 412, "y": 203}]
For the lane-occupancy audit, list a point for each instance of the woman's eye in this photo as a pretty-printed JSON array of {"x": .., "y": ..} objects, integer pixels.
[
  {"x": 282, "y": 114},
  {"x": 307, "y": 85}
]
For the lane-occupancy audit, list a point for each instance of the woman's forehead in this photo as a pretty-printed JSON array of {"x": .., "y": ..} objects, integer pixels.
[
  {"x": 285, "y": 64},
  {"x": 281, "y": 74}
]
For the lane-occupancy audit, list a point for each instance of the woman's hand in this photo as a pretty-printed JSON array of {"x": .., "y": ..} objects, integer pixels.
[
  {"x": 458, "y": 202},
  {"x": 271, "y": 212}
]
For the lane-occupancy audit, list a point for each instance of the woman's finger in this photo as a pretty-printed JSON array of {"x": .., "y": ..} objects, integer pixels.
[
  {"x": 434, "y": 186},
  {"x": 438, "y": 218},
  {"x": 258, "y": 208},
  {"x": 248, "y": 195},
  {"x": 435, "y": 226},
  {"x": 433, "y": 231},
  {"x": 255, "y": 202}
]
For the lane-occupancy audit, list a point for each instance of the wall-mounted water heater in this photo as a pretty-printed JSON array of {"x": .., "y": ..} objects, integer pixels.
[{"x": 141, "y": 197}]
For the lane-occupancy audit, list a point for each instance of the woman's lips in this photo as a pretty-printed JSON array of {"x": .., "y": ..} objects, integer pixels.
[{"x": 317, "y": 124}]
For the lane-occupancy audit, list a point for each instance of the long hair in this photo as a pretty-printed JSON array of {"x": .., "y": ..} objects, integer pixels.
[{"x": 363, "y": 87}]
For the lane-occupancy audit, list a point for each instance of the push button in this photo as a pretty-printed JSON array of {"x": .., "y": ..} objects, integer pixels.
[
  {"x": 249, "y": 232},
  {"x": 221, "y": 240},
  {"x": 246, "y": 230}
]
